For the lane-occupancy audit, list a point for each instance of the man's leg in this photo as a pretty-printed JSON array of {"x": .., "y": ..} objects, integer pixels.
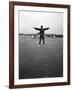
[
  {"x": 40, "y": 40},
  {"x": 43, "y": 40}
]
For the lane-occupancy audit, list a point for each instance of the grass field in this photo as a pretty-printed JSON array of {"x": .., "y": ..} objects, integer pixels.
[{"x": 40, "y": 61}]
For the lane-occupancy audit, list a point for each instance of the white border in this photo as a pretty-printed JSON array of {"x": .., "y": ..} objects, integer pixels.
[{"x": 16, "y": 49}]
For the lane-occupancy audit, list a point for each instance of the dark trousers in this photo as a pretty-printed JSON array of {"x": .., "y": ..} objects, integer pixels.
[{"x": 41, "y": 38}]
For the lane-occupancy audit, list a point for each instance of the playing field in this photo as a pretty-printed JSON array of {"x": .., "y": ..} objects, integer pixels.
[{"x": 40, "y": 61}]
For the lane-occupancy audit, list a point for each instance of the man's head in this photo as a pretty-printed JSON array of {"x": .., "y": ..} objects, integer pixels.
[{"x": 41, "y": 26}]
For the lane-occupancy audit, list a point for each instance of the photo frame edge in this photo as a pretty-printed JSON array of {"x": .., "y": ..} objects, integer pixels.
[{"x": 11, "y": 45}]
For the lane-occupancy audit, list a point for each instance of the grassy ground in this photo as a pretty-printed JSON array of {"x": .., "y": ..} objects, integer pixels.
[{"x": 43, "y": 61}]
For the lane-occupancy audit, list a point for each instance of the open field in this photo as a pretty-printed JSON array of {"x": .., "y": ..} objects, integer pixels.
[{"x": 40, "y": 61}]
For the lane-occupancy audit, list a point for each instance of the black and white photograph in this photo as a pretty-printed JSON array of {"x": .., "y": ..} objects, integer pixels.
[{"x": 39, "y": 44}]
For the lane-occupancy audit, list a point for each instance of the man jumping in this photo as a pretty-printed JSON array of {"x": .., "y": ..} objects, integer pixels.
[{"x": 41, "y": 33}]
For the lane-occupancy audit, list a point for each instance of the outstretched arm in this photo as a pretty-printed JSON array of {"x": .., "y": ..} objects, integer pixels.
[
  {"x": 37, "y": 28},
  {"x": 46, "y": 28}
]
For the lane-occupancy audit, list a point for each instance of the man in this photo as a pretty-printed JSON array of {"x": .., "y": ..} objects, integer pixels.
[{"x": 41, "y": 33}]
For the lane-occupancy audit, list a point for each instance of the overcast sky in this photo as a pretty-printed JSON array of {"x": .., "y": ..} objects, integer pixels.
[{"x": 30, "y": 19}]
